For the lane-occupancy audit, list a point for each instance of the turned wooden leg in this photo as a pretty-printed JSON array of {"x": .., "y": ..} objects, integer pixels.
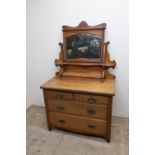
[
  {"x": 108, "y": 139},
  {"x": 49, "y": 128}
]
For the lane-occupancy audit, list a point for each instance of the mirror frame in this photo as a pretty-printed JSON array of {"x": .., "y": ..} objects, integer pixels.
[{"x": 84, "y": 28}]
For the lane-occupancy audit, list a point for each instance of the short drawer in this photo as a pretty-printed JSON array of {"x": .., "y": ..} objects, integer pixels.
[
  {"x": 78, "y": 124},
  {"x": 58, "y": 94},
  {"x": 93, "y": 99},
  {"x": 73, "y": 107}
]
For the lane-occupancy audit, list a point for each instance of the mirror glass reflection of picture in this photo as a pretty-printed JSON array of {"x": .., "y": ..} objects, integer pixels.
[{"x": 83, "y": 46}]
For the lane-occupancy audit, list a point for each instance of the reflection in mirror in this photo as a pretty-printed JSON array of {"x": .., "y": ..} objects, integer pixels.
[{"x": 83, "y": 46}]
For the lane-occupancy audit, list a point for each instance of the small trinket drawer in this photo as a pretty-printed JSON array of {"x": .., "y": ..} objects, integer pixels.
[{"x": 79, "y": 112}]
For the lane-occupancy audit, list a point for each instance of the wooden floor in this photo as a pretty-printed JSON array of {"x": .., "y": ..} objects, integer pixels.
[{"x": 40, "y": 141}]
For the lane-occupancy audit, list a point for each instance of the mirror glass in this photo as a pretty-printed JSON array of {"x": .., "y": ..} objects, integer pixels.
[{"x": 83, "y": 46}]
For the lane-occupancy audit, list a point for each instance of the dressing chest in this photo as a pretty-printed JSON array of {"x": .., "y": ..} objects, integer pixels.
[{"x": 79, "y": 97}]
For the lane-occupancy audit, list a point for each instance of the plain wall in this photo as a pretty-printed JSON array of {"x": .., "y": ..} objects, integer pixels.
[{"x": 44, "y": 24}]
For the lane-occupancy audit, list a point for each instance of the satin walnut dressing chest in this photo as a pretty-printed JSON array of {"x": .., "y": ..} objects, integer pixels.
[{"x": 79, "y": 97}]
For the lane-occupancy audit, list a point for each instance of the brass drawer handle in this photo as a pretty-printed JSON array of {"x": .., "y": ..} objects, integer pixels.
[
  {"x": 91, "y": 100},
  {"x": 59, "y": 96},
  {"x": 91, "y": 126},
  {"x": 62, "y": 121},
  {"x": 60, "y": 107},
  {"x": 91, "y": 111}
]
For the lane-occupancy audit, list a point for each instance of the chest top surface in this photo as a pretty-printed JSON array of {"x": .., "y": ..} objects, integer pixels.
[{"x": 106, "y": 88}]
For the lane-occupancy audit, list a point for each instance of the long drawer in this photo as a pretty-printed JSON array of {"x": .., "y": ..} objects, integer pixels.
[
  {"x": 78, "y": 124},
  {"x": 77, "y": 108}
]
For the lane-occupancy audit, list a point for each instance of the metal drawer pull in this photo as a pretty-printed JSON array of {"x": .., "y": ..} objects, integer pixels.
[
  {"x": 91, "y": 111},
  {"x": 91, "y": 126},
  {"x": 59, "y": 96},
  {"x": 91, "y": 100},
  {"x": 62, "y": 121},
  {"x": 60, "y": 107}
]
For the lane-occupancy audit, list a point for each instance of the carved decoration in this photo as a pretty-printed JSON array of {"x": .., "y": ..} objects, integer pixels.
[
  {"x": 84, "y": 25},
  {"x": 108, "y": 63},
  {"x": 60, "y": 60},
  {"x": 109, "y": 75}
]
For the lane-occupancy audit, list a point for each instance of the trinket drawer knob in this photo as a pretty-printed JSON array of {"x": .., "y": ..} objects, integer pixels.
[
  {"x": 91, "y": 111},
  {"x": 91, "y": 126},
  {"x": 60, "y": 107},
  {"x": 59, "y": 96},
  {"x": 91, "y": 100},
  {"x": 62, "y": 121}
]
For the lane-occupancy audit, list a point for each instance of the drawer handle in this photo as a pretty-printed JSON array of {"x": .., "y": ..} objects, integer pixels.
[
  {"x": 91, "y": 126},
  {"x": 91, "y": 100},
  {"x": 59, "y": 96},
  {"x": 91, "y": 111},
  {"x": 62, "y": 121},
  {"x": 60, "y": 107}
]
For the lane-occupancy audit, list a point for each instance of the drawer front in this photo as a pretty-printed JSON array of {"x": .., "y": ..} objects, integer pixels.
[
  {"x": 78, "y": 124},
  {"x": 67, "y": 106},
  {"x": 59, "y": 95},
  {"x": 93, "y": 99}
]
